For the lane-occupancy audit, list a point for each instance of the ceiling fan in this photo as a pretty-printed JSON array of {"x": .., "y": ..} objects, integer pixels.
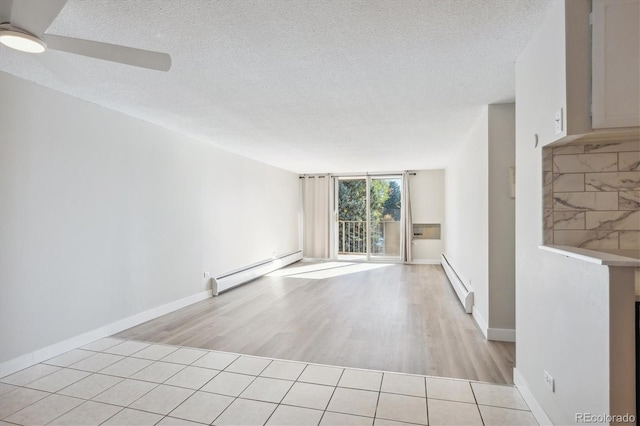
[{"x": 23, "y": 24}]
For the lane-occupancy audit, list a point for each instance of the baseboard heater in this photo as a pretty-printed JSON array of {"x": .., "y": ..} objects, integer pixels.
[
  {"x": 243, "y": 275},
  {"x": 464, "y": 293}
]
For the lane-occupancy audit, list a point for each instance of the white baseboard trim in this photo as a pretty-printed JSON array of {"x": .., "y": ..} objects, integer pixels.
[
  {"x": 501, "y": 334},
  {"x": 425, "y": 262},
  {"x": 537, "y": 411},
  {"x": 240, "y": 276},
  {"x": 43, "y": 354},
  {"x": 480, "y": 321}
]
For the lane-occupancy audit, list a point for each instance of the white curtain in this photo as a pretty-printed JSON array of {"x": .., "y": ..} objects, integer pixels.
[
  {"x": 406, "y": 234},
  {"x": 316, "y": 209}
]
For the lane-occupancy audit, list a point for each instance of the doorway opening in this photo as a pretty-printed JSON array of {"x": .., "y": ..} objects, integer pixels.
[{"x": 367, "y": 219}]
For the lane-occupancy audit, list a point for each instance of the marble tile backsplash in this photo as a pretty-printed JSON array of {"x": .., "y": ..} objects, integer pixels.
[{"x": 591, "y": 195}]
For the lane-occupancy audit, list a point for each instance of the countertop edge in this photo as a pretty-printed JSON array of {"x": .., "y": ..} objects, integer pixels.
[{"x": 592, "y": 256}]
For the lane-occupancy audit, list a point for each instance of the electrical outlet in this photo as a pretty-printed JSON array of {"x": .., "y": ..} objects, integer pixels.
[
  {"x": 558, "y": 121},
  {"x": 548, "y": 380},
  {"x": 207, "y": 274}
]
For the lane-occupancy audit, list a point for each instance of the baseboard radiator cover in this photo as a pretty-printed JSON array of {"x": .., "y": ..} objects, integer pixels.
[
  {"x": 464, "y": 293},
  {"x": 232, "y": 279}
]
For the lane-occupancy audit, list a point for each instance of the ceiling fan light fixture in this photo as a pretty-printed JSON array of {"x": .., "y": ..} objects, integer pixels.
[{"x": 22, "y": 41}]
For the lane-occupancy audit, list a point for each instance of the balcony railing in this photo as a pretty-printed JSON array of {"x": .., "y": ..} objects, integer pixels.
[{"x": 385, "y": 237}]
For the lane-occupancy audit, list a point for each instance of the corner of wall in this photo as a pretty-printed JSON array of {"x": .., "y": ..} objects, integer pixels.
[
  {"x": 536, "y": 409},
  {"x": 43, "y": 354},
  {"x": 501, "y": 234},
  {"x": 482, "y": 323}
]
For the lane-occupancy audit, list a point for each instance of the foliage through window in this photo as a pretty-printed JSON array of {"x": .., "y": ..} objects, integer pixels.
[{"x": 385, "y": 196}]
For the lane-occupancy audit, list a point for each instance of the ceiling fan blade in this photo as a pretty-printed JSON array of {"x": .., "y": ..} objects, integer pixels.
[
  {"x": 35, "y": 16},
  {"x": 110, "y": 52},
  {"x": 5, "y": 10},
  {"x": 58, "y": 64}
]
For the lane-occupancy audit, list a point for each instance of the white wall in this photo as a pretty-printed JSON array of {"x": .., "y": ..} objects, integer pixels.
[
  {"x": 103, "y": 216},
  {"x": 562, "y": 304},
  {"x": 502, "y": 217},
  {"x": 480, "y": 219},
  {"x": 466, "y": 232},
  {"x": 427, "y": 206}
]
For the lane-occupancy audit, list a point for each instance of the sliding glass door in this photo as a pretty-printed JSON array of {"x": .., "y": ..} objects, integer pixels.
[
  {"x": 384, "y": 217},
  {"x": 367, "y": 225},
  {"x": 351, "y": 218}
]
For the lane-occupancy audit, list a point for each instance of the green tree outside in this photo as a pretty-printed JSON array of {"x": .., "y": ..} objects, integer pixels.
[{"x": 385, "y": 199}]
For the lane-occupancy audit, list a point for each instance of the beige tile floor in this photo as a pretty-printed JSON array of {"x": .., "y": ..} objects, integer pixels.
[{"x": 124, "y": 382}]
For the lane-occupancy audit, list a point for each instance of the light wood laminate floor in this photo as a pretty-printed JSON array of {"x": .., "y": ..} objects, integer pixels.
[{"x": 402, "y": 318}]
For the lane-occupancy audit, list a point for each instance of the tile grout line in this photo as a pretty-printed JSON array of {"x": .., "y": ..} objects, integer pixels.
[
  {"x": 71, "y": 409},
  {"x": 134, "y": 401},
  {"x": 235, "y": 398},
  {"x": 249, "y": 399},
  {"x": 196, "y": 390},
  {"x": 505, "y": 408},
  {"x": 35, "y": 380},
  {"x": 26, "y": 406},
  {"x": 91, "y": 373},
  {"x": 225, "y": 408},
  {"x": 199, "y": 389},
  {"x": 91, "y": 399},
  {"x": 129, "y": 378},
  {"x": 426, "y": 398},
  {"x": 477, "y": 405},
  {"x": 114, "y": 414},
  {"x": 64, "y": 387},
  {"x": 332, "y": 393},
  {"x": 322, "y": 365},
  {"x": 375, "y": 413}
]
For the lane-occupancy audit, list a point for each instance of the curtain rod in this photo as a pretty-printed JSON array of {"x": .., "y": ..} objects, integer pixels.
[{"x": 355, "y": 174}]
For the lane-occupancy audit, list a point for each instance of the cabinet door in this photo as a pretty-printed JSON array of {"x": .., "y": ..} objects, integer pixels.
[{"x": 616, "y": 64}]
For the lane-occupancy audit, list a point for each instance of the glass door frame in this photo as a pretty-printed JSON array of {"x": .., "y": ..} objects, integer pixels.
[
  {"x": 336, "y": 217},
  {"x": 383, "y": 258},
  {"x": 335, "y": 231}
]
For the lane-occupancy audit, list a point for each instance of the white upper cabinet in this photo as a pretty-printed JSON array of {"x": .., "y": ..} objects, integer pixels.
[
  {"x": 615, "y": 63},
  {"x": 582, "y": 81}
]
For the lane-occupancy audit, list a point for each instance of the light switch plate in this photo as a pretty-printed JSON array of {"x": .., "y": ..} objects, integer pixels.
[
  {"x": 558, "y": 121},
  {"x": 548, "y": 380}
]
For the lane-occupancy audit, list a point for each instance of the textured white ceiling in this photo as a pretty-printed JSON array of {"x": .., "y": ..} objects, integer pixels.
[{"x": 309, "y": 86}]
